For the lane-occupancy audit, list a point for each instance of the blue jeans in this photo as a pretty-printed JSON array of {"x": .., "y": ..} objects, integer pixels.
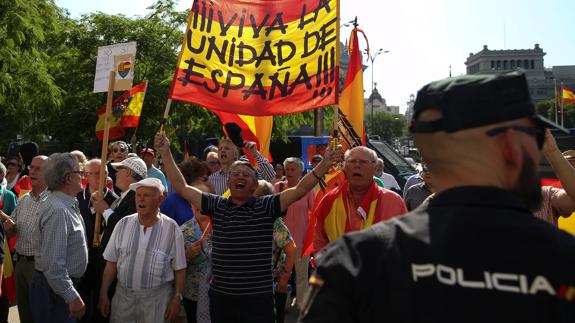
[{"x": 47, "y": 307}]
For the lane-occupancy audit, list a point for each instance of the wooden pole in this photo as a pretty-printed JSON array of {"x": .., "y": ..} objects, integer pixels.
[
  {"x": 166, "y": 114},
  {"x": 102, "y": 179}
]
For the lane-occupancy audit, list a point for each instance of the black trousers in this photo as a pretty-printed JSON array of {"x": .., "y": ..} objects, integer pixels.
[
  {"x": 191, "y": 308},
  {"x": 258, "y": 309}
]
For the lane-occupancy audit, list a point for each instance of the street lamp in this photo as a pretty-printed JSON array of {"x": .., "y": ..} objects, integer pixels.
[{"x": 372, "y": 57}]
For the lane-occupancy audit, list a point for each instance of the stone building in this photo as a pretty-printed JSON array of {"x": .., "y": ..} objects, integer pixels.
[{"x": 529, "y": 61}]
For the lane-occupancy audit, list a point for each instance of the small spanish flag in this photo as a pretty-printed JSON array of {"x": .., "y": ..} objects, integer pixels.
[
  {"x": 568, "y": 95},
  {"x": 126, "y": 111}
]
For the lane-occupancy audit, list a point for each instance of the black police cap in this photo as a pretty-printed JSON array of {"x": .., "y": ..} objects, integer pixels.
[{"x": 471, "y": 101}]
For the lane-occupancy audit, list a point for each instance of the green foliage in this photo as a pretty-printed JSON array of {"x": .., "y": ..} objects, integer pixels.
[
  {"x": 388, "y": 126},
  {"x": 547, "y": 109}
]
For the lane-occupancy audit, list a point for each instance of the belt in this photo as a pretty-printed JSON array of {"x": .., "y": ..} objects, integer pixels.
[{"x": 18, "y": 256}]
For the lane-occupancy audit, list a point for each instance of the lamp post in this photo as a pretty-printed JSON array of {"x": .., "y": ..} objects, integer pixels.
[{"x": 372, "y": 57}]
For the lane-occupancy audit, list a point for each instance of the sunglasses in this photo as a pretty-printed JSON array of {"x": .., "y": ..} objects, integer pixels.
[
  {"x": 122, "y": 150},
  {"x": 537, "y": 132}
]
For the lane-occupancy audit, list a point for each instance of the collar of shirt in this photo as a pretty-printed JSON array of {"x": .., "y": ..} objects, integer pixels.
[
  {"x": 477, "y": 195},
  {"x": 67, "y": 199},
  {"x": 249, "y": 202}
]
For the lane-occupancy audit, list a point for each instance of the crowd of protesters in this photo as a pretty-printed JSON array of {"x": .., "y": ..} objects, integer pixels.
[{"x": 216, "y": 238}]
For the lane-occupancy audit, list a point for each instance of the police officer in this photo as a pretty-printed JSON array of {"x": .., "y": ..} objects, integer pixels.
[{"x": 476, "y": 253}]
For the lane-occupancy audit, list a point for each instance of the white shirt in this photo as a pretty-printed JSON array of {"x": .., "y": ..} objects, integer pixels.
[
  {"x": 146, "y": 259},
  {"x": 389, "y": 181}
]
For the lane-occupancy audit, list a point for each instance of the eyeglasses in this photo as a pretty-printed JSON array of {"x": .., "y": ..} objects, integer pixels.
[
  {"x": 79, "y": 172},
  {"x": 537, "y": 132},
  {"x": 122, "y": 150},
  {"x": 213, "y": 163},
  {"x": 362, "y": 162},
  {"x": 240, "y": 173}
]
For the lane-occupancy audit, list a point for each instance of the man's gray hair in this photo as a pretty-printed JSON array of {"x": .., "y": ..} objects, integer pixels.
[
  {"x": 264, "y": 188},
  {"x": 380, "y": 161},
  {"x": 2, "y": 169},
  {"x": 238, "y": 163},
  {"x": 56, "y": 168},
  {"x": 371, "y": 152},
  {"x": 96, "y": 161},
  {"x": 294, "y": 160},
  {"x": 212, "y": 154}
]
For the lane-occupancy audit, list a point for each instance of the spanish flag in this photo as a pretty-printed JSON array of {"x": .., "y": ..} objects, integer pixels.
[
  {"x": 256, "y": 129},
  {"x": 568, "y": 95},
  {"x": 351, "y": 98},
  {"x": 126, "y": 111}
]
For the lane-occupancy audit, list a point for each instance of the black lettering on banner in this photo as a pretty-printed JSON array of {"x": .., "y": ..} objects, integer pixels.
[
  {"x": 255, "y": 26},
  {"x": 189, "y": 72},
  {"x": 302, "y": 78},
  {"x": 283, "y": 87},
  {"x": 213, "y": 48},
  {"x": 224, "y": 27},
  {"x": 280, "y": 25},
  {"x": 203, "y": 15},
  {"x": 198, "y": 50},
  {"x": 323, "y": 4},
  {"x": 257, "y": 87},
  {"x": 228, "y": 85},
  {"x": 210, "y": 17},
  {"x": 321, "y": 39},
  {"x": 241, "y": 61},
  {"x": 196, "y": 10},
  {"x": 232, "y": 51},
  {"x": 242, "y": 21},
  {"x": 280, "y": 55},
  {"x": 216, "y": 88},
  {"x": 266, "y": 54}
]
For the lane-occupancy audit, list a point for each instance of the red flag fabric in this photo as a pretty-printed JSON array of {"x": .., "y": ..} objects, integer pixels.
[
  {"x": 568, "y": 95},
  {"x": 256, "y": 129},
  {"x": 351, "y": 99},
  {"x": 126, "y": 111}
]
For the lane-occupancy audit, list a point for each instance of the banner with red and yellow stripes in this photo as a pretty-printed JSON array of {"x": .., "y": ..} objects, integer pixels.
[
  {"x": 256, "y": 129},
  {"x": 259, "y": 57},
  {"x": 568, "y": 95},
  {"x": 126, "y": 111}
]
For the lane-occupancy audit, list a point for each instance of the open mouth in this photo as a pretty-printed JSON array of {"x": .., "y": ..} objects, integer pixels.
[
  {"x": 240, "y": 186},
  {"x": 356, "y": 174}
]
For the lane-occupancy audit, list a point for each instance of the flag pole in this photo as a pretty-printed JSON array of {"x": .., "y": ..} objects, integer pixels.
[
  {"x": 166, "y": 114},
  {"x": 562, "y": 104},
  {"x": 555, "y": 103},
  {"x": 337, "y": 60},
  {"x": 102, "y": 178}
]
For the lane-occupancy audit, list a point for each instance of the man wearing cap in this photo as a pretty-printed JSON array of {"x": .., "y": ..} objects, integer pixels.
[
  {"x": 476, "y": 252},
  {"x": 557, "y": 202},
  {"x": 129, "y": 171},
  {"x": 148, "y": 155},
  {"x": 146, "y": 254},
  {"x": 241, "y": 289}
]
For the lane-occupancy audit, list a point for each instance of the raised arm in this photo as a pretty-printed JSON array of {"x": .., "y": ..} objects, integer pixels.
[
  {"x": 307, "y": 183},
  {"x": 564, "y": 202},
  {"x": 190, "y": 193}
]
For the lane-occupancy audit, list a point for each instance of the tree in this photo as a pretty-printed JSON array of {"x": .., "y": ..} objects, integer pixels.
[
  {"x": 389, "y": 126},
  {"x": 547, "y": 109}
]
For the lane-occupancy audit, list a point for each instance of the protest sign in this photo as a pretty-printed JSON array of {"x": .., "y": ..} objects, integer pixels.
[
  {"x": 119, "y": 58},
  {"x": 259, "y": 57}
]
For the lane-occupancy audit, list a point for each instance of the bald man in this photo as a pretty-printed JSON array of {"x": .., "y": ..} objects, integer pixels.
[{"x": 476, "y": 252}]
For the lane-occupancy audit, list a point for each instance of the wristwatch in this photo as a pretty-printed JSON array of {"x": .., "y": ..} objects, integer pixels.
[{"x": 179, "y": 296}]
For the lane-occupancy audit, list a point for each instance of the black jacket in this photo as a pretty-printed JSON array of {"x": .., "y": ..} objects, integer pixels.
[
  {"x": 475, "y": 254},
  {"x": 126, "y": 207}
]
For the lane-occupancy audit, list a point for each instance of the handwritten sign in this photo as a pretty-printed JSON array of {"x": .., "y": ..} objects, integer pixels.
[
  {"x": 119, "y": 58},
  {"x": 259, "y": 57}
]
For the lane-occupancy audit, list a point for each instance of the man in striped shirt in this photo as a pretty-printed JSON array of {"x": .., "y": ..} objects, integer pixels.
[
  {"x": 146, "y": 252},
  {"x": 228, "y": 154},
  {"x": 242, "y": 285}
]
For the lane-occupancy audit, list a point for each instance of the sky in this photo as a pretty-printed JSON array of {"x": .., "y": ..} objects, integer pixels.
[{"x": 425, "y": 37}]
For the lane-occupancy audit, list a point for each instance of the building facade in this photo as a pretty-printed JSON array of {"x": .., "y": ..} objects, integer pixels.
[{"x": 541, "y": 80}]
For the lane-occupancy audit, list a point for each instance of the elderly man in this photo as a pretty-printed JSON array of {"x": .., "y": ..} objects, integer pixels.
[
  {"x": 476, "y": 252},
  {"x": 90, "y": 284},
  {"x": 241, "y": 288},
  {"x": 358, "y": 203},
  {"x": 227, "y": 154},
  {"x": 213, "y": 162},
  {"x": 297, "y": 221},
  {"x": 146, "y": 252},
  {"x": 388, "y": 180},
  {"x": 24, "y": 222},
  {"x": 417, "y": 193},
  {"x": 61, "y": 253},
  {"x": 129, "y": 171}
]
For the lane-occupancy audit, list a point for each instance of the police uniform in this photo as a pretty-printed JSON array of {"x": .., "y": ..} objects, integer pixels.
[
  {"x": 461, "y": 259},
  {"x": 474, "y": 254}
]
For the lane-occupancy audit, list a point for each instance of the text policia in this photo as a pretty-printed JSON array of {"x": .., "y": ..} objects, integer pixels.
[{"x": 262, "y": 54}]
